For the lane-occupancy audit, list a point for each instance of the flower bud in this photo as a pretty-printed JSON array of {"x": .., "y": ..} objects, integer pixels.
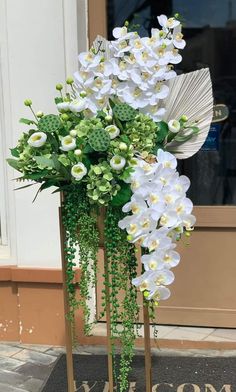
[
  {"x": 69, "y": 80},
  {"x": 129, "y": 237},
  {"x": 59, "y": 87},
  {"x": 73, "y": 133},
  {"x": 27, "y": 102},
  {"x": 77, "y": 152},
  {"x": 108, "y": 118},
  {"x": 126, "y": 23},
  {"x": 83, "y": 94},
  {"x": 184, "y": 118},
  {"x": 64, "y": 117},
  {"x": 123, "y": 146},
  {"x": 145, "y": 294},
  {"x": 39, "y": 114}
]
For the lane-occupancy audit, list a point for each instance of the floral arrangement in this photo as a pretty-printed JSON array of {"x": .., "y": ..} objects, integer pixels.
[{"x": 109, "y": 151}]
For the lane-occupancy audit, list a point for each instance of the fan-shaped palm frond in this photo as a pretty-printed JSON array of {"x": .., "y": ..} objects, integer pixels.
[{"x": 190, "y": 94}]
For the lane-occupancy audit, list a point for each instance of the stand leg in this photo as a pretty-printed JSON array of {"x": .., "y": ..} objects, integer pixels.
[
  {"x": 108, "y": 314},
  {"x": 147, "y": 347},
  {"x": 68, "y": 329}
]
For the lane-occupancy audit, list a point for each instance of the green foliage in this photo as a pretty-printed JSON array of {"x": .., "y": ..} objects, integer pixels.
[
  {"x": 80, "y": 228},
  {"x": 124, "y": 112},
  {"x": 87, "y": 126},
  {"x": 49, "y": 123},
  {"x": 121, "y": 269},
  {"x": 122, "y": 196},
  {"x": 27, "y": 122},
  {"x": 162, "y": 131},
  {"x": 13, "y": 163},
  {"x": 99, "y": 140},
  {"x": 101, "y": 186},
  {"x": 142, "y": 133}
]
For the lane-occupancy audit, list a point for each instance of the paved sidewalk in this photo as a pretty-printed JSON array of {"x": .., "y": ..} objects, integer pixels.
[{"x": 24, "y": 368}]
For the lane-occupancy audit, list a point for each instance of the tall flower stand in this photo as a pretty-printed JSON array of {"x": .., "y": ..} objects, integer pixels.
[{"x": 68, "y": 328}]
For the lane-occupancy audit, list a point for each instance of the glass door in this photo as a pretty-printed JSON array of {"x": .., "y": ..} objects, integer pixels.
[{"x": 204, "y": 290}]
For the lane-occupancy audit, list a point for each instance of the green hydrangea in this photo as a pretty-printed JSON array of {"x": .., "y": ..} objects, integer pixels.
[
  {"x": 86, "y": 126},
  {"x": 101, "y": 186},
  {"x": 142, "y": 132}
]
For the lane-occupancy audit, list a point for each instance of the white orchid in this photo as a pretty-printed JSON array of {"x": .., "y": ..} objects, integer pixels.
[
  {"x": 167, "y": 159},
  {"x": 37, "y": 139},
  {"x": 160, "y": 293},
  {"x": 168, "y": 23},
  {"x": 68, "y": 143},
  {"x": 157, "y": 240},
  {"x": 77, "y": 105},
  {"x": 78, "y": 171}
]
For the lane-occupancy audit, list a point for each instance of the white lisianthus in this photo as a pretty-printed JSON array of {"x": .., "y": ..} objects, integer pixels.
[
  {"x": 63, "y": 106},
  {"x": 68, "y": 143},
  {"x": 117, "y": 162},
  {"x": 77, "y": 105},
  {"x": 37, "y": 139},
  {"x": 174, "y": 126},
  {"x": 78, "y": 171},
  {"x": 113, "y": 131}
]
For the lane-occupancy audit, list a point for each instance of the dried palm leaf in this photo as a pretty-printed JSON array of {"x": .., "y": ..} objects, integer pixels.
[{"x": 190, "y": 94}]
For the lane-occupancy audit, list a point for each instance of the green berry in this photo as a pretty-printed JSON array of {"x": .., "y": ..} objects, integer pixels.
[
  {"x": 28, "y": 102},
  {"x": 69, "y": 80},
  {"x": 59, "y": 87}
]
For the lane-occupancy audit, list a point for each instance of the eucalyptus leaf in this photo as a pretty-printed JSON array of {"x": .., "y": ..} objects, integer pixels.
[
  {"x": 15, "y": 152},
  {"x": 13, "y": 163},
  {"x": 46, "y": 162},
  {"x": 162, "y": 131},
  {"x": 27, "y": 121}
]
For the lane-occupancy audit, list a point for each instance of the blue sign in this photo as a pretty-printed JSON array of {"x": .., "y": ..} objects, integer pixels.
[{"x": 212, "y": 140}]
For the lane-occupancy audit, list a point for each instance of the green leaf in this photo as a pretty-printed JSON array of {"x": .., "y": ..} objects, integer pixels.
[
  {"x": 15, "y": 152},
  {"x": 125, "y": 139},
  {"x": 43, "y": 161},
  {"x": 88, "y": 149},
  {"x": 36, "y": 176},
  {"x": 13, "y": 163},
  {"x": 25, "y": 186},
  {"x": 58, "y": 100},
  {"x": 122, "y": 196},
  {"x": 162, "y": 131},
  {"x": 27, "y": 121},
  {"x": 56, "y": 163}
]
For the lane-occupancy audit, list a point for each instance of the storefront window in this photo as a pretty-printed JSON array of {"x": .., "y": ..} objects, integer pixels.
[{"x": 210, "y": 31}]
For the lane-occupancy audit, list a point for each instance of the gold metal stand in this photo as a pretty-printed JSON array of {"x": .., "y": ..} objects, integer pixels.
[
  {"x": 147, "y": 348},
  {"x": 68, "y": 329},
  {"x": 108, "y": 320}
]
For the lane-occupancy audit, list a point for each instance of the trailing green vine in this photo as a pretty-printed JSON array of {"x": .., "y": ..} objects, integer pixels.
[
  {"x": 80, "y": 228},
  {"x": 122, "y": 264}
]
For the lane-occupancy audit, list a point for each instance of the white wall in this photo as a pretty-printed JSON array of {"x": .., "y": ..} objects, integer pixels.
[{"x": 39, "y": 46}]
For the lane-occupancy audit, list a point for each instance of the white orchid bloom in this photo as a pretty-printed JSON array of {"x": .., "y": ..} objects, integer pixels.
[
  {"x": 145, "y": 281},
  {"x": 167, "y": 23},
  {"x": 68, "y": 143},
  {"x": 180, "y": 183},
  {"x": 122, "y": 32},
  {"x": 162, "y": 277},
  {"x": 113, "y": 131},
  {"x": 169, "y": 219},
  {"x": 175, "y": 57},
  {"x": 37, "y": 139},
  {"x": 167, "y": 159},
  {"x": 188, "y": 221},
  {"x": 145, "y": 59},
  {"x": 137, "y": 205},
  {"x": 99, "y": 86},
  {"x": 163, "y": 176},
  {"x": 146, "y": 222},
  {"x": 78, "y": 105},
  {"x": 153, "y": 261},
  {"x": 178, "y": 40},
  {"x": 170, "y": 195},
  {"x": 174, "y": 126},
  {"x": 157, "y": 240},
  {"x": 171, "y": 259},
  {"x": 119, "y": 47},
  {"x": 78, "y": 171},
  {"x": 89, "y": 60},
  {"x": 183, "y": 206},
  {"x": 161, "y": 293},
  {"x": 117, "y": 162},
  {"x": 134, "y": 96},
  {"x": 159, "y": 91},
  {"x": 155, "y": 112}
]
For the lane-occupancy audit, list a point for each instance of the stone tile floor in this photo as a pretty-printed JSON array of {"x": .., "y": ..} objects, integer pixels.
[{"x": 24, "y": 368}]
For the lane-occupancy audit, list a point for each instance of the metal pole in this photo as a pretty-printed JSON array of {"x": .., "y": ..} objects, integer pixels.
[
  {"x": 68, "y": 328},
  {"x": 108, "y": 314},
  {"x": 147, "y": 348}
]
